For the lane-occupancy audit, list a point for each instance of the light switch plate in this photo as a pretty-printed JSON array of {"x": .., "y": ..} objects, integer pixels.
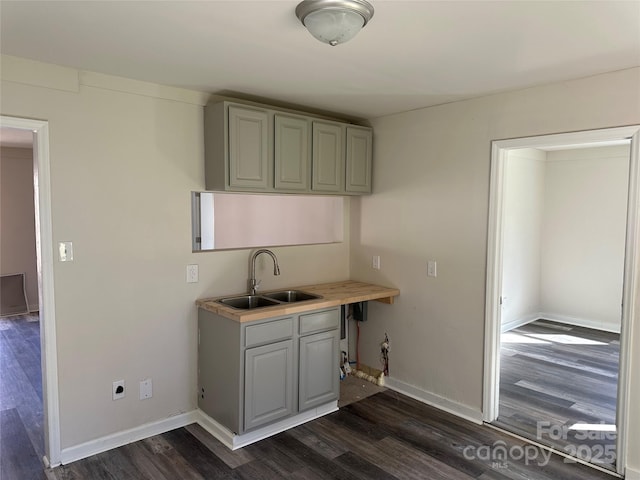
[
  {"x": 65, "y": 251},
  {"x": 432, "y": 268}
]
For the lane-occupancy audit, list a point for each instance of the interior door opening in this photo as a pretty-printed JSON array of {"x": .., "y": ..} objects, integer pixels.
[
  {"x": 39, "y": 130},
  {"x": 553, "y": 331}
]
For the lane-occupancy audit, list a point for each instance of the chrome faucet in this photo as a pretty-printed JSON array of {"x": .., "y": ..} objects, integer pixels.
[{"x": 253, "y": 283}]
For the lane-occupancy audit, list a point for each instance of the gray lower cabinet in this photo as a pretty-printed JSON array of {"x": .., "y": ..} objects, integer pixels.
[
  {"x": 319, "y": 375},
  {"x": 268, "y": 383},
  {"x": 255, "y": 373}
]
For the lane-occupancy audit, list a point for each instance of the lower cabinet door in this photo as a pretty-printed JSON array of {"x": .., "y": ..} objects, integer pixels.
[
  {"x": 319, "y": 380},
  {"x": 268, "y": 383}
]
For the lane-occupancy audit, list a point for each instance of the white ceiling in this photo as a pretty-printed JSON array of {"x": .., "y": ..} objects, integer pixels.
[{"x": 412, "y": 54}]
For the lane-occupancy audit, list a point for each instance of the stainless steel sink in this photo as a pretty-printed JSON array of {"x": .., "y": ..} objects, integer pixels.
[
  {"x": 289, "y": 296},
  {"x": 247, "y": 302}
]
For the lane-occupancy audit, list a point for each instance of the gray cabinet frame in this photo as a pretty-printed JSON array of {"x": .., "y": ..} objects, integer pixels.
[{"x": 250, "y": 374}]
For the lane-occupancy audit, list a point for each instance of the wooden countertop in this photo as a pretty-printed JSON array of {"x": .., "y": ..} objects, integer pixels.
[{"x": 333, "y": 294}]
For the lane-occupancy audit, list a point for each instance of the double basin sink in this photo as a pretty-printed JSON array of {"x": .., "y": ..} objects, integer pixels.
[{"x": 248, "y": 302}]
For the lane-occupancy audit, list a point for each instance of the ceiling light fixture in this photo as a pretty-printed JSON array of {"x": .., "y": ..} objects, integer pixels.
[{"x": 334, "y": 21}]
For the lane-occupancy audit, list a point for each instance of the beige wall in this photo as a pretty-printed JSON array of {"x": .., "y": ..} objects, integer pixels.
[
  {"x": 585, "y": 219},
  {"x": 431, "y": 198},
  {"x": 17, "y": 219},
  {"x": 123, "y": 165},
  {"x": 523, "y": 217}
]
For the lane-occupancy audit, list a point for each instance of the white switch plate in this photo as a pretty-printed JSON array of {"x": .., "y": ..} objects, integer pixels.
[
  {"x": 65, "y": 251},
  {"x": 432, "y": 268},
  {"x": 146, "y": 389},
  {"x": 375, "y": 262},
  {"x": 192, "y": 273}
]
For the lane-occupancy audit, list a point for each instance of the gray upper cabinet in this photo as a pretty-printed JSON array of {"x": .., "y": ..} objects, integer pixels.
[
  {"x": 328, "y": 158},
  {"x": 248, "y": 148},
  {"x": 292, "y": 153},
  {"x": 237, "y": 148},
  {"x": 262, "y": 149},
  {"x": 359, "y": 159}
]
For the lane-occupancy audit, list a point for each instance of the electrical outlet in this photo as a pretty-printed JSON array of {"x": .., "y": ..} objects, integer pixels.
[
  {"x": 146, "y": 389},
  {"x": 192, "y": 273},
  {"x": 375, "y": 262},
  {"x": 118, "y": 389}
]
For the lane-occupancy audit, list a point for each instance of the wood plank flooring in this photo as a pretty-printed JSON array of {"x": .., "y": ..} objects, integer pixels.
[
  {"x": 553, "y": 376},
  {"x": 384, "y": 436},
  {"x": 21, "y": 419}
]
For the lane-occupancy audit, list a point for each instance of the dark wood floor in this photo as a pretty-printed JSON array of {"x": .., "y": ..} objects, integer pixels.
[
  {"x": 21, "y": 420},
  {"x": 568, "y": 375},
  {"x": 384, "y": 436}
]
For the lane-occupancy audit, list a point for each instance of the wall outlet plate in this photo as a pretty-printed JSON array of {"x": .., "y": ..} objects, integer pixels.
[
  {"x": 192, "y": 273},
  {"x": 146, "y": 389},
  {"x": 118, "y": 390}
]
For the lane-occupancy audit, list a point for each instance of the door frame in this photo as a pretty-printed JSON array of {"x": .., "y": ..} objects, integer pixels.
[
  {"x": 44, "y": 260},
  {"x": 630, "y": 294}
]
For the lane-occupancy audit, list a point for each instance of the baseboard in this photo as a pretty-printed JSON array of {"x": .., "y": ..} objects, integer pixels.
[
  {"x": 234, "y": 442},
  {"x": 518, "y": 322},
  {"x": 115, "y": 440},
  {"x": 578, "y": 322},
  {"x": 434, "y": 400},
  {"x": 34, "y": 308},
  {"x": 631, "y": 474}
]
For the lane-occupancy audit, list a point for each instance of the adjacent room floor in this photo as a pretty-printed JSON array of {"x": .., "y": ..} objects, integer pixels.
[
  {"x": 21, "y": 420},
  {"x": 554, "y": 376}
]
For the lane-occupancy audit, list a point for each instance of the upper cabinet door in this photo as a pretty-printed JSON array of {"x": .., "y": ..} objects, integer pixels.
[
  {"x": 328, "y": 157},
  {"x": 359, "y": 155},
  {"x": 248, "y": 148},
  {"x": 292, "y": 153}
]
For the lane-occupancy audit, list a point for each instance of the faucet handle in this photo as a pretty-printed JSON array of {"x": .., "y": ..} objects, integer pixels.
[{"x": 256, "y": 285}]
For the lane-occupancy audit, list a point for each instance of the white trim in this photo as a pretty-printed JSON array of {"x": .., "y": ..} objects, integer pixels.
[
  {"x": 632, "y": 474},
  {"x": 118, "y": 439},
  {"x": 518, "y": 322},
  {"x": 578, "y": 322},
  {"x": 631, "y": 296},
  {"x": 493, "y": 311},
  {"x": 441, "y": 403},
  {"x": 233, "y": 441},
  {"x": 44, "y": 252}
]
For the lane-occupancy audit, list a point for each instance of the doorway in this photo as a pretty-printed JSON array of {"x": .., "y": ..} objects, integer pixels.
[
  {"x": 496, "y": 281},
  {"x": 44, "y": 260}
]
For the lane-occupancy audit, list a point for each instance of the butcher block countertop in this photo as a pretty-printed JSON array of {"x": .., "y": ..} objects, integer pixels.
[{"x": 333, "y": 294}]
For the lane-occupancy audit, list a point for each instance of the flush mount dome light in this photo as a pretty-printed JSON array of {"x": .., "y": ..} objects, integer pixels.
[{"x": 334, "y": 21}]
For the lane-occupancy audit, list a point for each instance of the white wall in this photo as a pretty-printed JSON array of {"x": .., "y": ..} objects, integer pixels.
[
  {"x": 125, "y": 156},
  {"x": 17, "y": 219},
  {"x": 584, "y": 236},
  {"x": 431, "y": 184},
  {"x": 524, "y": 201}
]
